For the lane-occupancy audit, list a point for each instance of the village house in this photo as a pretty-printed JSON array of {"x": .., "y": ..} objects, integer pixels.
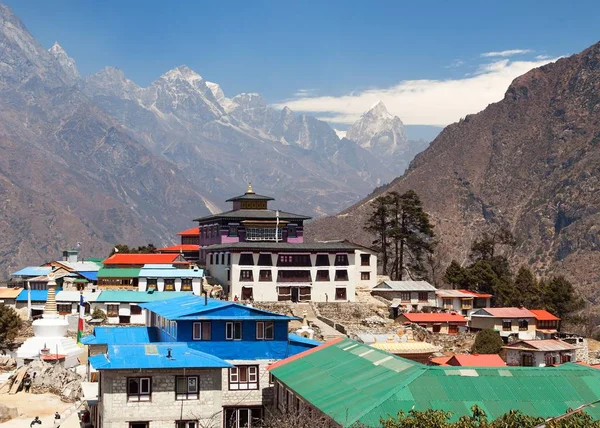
[
  {"x": 19, "y": 278},
  {"x": 256, "y": 253},
  {"x": 376, "y": 385},
  {"x": 8, "y": 296},
  {"x": 519, "y": 322},
  {"x": 444, "y": 322},
  {"x": 189, "y": 246},
  {"x": 121, "y": 271},
  {"x": 239, "y": 342},
  {"x": 462, "y": 301},
  {"x": 68, "y": 301},
  {"x": 546, "y": 324},
  {"x": 539, "y": 353},
  {"x": 162, "y": 277},
  {"x": 406, "y": 295}
]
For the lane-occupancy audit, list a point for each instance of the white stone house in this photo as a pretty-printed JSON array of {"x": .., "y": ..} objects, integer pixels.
[
  {"x": 164, "y": 277},
  {"x": 406, "y": 296},
  {"x": 539, "y": 353},
  {"x": 464, "y": 302}
]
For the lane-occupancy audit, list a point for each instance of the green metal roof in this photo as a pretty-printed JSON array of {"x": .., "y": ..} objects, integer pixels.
[
  {"x": 126, "y": 296},
  {"x": 119, "y": 273},
  {"x": 352, "y": 382}
]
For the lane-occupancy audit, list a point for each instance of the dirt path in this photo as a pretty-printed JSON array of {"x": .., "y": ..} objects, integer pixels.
[{"x": 32, "y": 405}]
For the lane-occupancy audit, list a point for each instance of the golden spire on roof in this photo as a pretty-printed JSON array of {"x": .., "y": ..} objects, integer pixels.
[{"x": 249, "y": 188}]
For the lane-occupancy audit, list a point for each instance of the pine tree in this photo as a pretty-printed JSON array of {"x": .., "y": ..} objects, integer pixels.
[
  {"x": 525, "y": 290},
  {"x": 559, "y": 297},
  {"x": 377, "y": 224}
]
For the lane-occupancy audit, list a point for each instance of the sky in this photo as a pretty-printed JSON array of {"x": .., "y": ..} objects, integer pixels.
[{"x": 431, "y": 62}]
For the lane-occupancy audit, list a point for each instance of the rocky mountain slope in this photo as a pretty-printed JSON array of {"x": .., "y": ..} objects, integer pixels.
[
  {"x": 68, "y": 172},
  {"x": 383, "y": 134},
  {"x": 530, "y": 161},
  {"x": 222, "y": 143}
]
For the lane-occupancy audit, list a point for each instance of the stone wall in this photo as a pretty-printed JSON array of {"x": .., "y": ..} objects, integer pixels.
[{"x": 162, "y": 409}]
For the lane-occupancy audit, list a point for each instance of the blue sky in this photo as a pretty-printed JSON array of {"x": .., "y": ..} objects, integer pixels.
[{"x": 343, "y": 54}]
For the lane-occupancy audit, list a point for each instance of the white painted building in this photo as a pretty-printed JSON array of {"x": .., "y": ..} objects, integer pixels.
[
  {"x": 462, "y": 301},
  {"x": 406, "y": 296},
  {"x": 270, "y": 272},
  {"x": 164, "y": 277},
  {"x": 540, "y": 353}
]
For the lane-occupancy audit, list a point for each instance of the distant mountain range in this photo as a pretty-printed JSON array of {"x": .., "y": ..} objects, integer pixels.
[
  {"x": 101, "y": 160},
  {"x": 530, "y": 162}
]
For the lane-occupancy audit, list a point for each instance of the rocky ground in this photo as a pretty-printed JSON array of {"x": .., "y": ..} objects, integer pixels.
[{"x": 31, "y": 405}]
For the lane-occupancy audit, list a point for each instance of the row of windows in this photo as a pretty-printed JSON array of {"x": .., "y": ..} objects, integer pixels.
[
  {"x": 422, "y": 296},
  {"x": 291, "y": 260},
  {"x": 507, "y": 325},
  {"x": 299, "y": 275},
  {"x": 188, "y": 387},
  {"x": 112, "y": 310},
  {"x": 265, "y": 330},
  {"x": 298, "y": 294},
  {"x": 169, "y": 284},
  {"x": 235, "y": 417}
]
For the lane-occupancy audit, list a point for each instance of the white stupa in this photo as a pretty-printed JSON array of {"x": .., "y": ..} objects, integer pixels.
[
  {"x": 305, "y": 330},
  {"x": 50, "y": 335}
]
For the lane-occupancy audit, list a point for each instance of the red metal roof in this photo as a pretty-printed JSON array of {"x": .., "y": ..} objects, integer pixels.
[
  {"x": 478, "y": 295},
  {"x": 432, "y": 317},
  {"x": 477, "y": 360},
  {"x": 140, "y": 259},
  {"x": 509, "y": 312},
  {"x": 543, "y": 315},
  {"x": 303, "y": 354},
  {"x": 194, "y": 231},
  {"x": 440, "y": 361},
  {"x": 178, "y": 248}
]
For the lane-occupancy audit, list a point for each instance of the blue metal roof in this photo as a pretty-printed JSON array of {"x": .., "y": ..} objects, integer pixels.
[
  {"x": 299, "y": 339},
  {"x": 92, "y": 276},
  {"x": 194, "y": 308},
  {"x": 36, "y": 295},
  {"x": 154, "y": 356},
  {"x": 126, "y": 296},
  {"x": 168, "y": 271},
  {"x": 33, "y": 271},
  {"x": 121, "y": 335}
]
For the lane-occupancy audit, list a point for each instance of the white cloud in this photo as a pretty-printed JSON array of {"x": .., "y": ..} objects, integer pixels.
[
  {"x": 455, "y": 64},
  {"x": 506, "y": 53},
  {"x": 422, "y": 102},
  {"x": 542, "y": 57},
  {"x": 300, "y": 93}
]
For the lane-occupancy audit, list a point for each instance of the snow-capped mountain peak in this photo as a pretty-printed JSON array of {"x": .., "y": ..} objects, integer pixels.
[
  {"x": 66, "y": 63},
  {"x": 378, "y": 130},
  {"x": 183, "y": 72}
]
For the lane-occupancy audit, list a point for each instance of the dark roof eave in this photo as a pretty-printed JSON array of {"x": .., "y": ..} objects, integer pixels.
[
  {"x": 250, "y": 197},
  {"x": 230, "y": 215}
]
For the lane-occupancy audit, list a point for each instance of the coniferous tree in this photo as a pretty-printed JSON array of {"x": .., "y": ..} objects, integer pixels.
[
  {"x": 377, "y": 224},
  {"x": 525, "y": 290},
  {"x": 559, "y": 297}
]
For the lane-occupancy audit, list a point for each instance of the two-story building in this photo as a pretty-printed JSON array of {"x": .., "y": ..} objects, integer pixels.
[
  {"x": 256, "y": 253},
  {"x": 462, "y": 301},
  {"x": 539, "y": 353},
  {"x": 224, "y": 383},
  {"x": 444, "y": 322},
  {"x": 519, "y": 322},
  {"x": 161, "y": 277},
  {"x": 406, "y": 296},
  {"x": 546, "y": 324}
]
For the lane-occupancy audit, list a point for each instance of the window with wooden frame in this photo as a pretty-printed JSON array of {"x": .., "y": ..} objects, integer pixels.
[
  {"x": 210, "y": 259},
  {"x": 139, "y": 388},
  {"x": 112, "y": 310},
  {"x": 64, "y": 308},
  {"x": 186, "y": 387},
  {"x": 341, "y": 275},
  {"x": 186, "y": 424},
  {"x": 341, "y": 260},
  {"x": 186, "y": 284},
  {"x": 265, "y": 330},
  {"x": 322, "y": 260},
  {"x": 365, "y": 276},
  {"x": 506, "y": 325},
  {"x": 233, "y": 231},
  {"x": 243, "y": 378},
  {"x": 265, "y": 275},
  {"x": 246, "y": 275},
  {"x": 365, "y": 260},
  {"x": 229, "y": 259},
  {"x": 233, "y": 330},
  {"x": 452, "y": 329},
  {"x": 151, "y": 284},
  {"x": 265, "y": 259},
  {"x": 565, "y": 358},
  {"x": 322, "y": 275},
  {"x": 292, "y": 231},
  {"x": 523, "y": 325},
  {"x": 423, "y": 296},
  {"x": 246, "y": 259},
  {"x": 340, "y": 293},
  {"x": 405, "y": 296},
  {"x": 550, "y": 359},
  {"x": 138, "y": 424},
  {"x": 202, "y": 330},
  {"x": 135, "y": 309},
  {"x": 527, "y": 360},
  {"x": 169, "y": 284}
]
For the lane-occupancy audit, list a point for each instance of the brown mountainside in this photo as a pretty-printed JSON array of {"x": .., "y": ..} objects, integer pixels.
[{"x": 530, "y": 161}]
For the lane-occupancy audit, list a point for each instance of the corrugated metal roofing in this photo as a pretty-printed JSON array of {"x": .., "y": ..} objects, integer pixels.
[
  {"x": 476, "y": 360},
  {"x": 505, "y": 312},
  {"x": 91, "y": 276},
  {"x": 542, "y": 345},
  {"x": 406, "y": 347},
  {"x": 475, "y": 294},
  {"x": 194, "y": 231},
  {"x": 433, "y": 317},
  {"x": 139, "y": 259},
  {"x": 36, "y": 295},
  {"x": 351, "y": 385},
  {"x": 194, "y": 307},
  {"x": 404, "y": 286},
  {"x": 154, "y": 356},
  {"x": 461, "y": 294},
  {"x": 121, "y": 335},
  {"x": 80, "y": 266},
  {"x": 118, "y": 273},
  {"x": 543, "y": 315},
  {"x": 73, "y": 296},
  {"x": 168, "y": 271},
  {"x": 125, "y": 296},
  {"x": 10, "y": 293},
  {"x": 33, "y": 271},
  {"x": 181, "y": 247}
]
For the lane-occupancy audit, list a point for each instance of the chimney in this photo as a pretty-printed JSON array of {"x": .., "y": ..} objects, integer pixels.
[{"x": 169, "y": 356}]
